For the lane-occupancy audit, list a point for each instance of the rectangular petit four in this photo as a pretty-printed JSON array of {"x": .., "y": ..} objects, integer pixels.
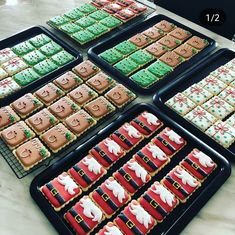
[{"x": 111, "y": 228}]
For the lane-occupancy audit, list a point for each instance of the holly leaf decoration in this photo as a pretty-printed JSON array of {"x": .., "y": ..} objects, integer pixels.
[
  {"x": 11, "y": 118},
  {"x": 27, "y": 133},
  {"x": 74, "y": 107},
  {"x": 68, "y": 136},
  {"x": 58, "y": 92},
  {"x": 90, "y": 120},
  {"x": 43, "y": 152},
  {"x": 52, "y": 120},
  {"x": 35, "y": 102}
]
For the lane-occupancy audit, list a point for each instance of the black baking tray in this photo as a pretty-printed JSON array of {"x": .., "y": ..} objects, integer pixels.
[
  {"x": 180, "y": 217},
  {"x": 94, "y": 52},
  {"x": 217, "y": 59},
  {"x": 25, "y": 35}
]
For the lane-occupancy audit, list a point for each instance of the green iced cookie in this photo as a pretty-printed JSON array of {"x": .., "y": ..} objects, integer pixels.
[
  {"x": 50, "y": 48},
  {"x": 39, "y": 40},
  {"x": 83, "y": 36},
  {"x": 126, "y": 66},
  {"x": 126, "y": 47},
  {"x": 141, "y": 57},
  {"x": 70, "y": 28},
  {"x": 34, "y": 57},
  {"x": 45, "y": 67},
  {"x": 73, "y": 14},
  {"x": 23, "y": 48},
  {"x": 99, "y": 15},
  {"x": 85, "y": 22},
  {"x": 26, "y": 76},
  {"x": 159, "y": 69},
  {"x": 98, "y": 29},
  {"x": 62, "y": 58},
  {"x": 58, "y": 21},
  {"x": 111, "y": 22},
  {"x": 144, "y": 78},
  {"x": 112, "y": 56},
  {"x": 87, "y": 8}
]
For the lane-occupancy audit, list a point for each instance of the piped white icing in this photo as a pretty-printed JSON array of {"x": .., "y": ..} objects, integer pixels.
[
  {"x": 151, "y": 119},
  {"x": 138, "y": 169},
  {"x": 112, "y": 146},
  {"x": 117, "y": 189},
  {"x": 132, "y": 131},
  {"x": 156, "y": 152},
  {"x": 173, "y": 136},
  {"x": 185, "y": 177},
  {"x": 113, "y": 230},
  {"x": 68, "y": 183},
  {"x": 203, "y": 159},
  {"x": 92, "y": 165}
]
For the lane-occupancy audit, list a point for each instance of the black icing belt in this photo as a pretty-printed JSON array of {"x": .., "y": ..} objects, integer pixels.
[
  {"x": 147, "y": 160},
  {"x": 177, "y": 186},
  {"x": 80, "y": 220},
  {"x": 106, "y": 198},
  {"x": 103, "y": 154},
  {"x": 128, "y": 178},
  {"x": 155, "y": 205},
  {"x": 130, "y": 224},
  {"x": 165, "y": 143},
  {"x": 82, "y": 174},
  {"x": 141, "y": 124},
  {"x": 55, "y": 193},
  {"x": 196, "y": 167},
  {"x": 123, "y": 138}
]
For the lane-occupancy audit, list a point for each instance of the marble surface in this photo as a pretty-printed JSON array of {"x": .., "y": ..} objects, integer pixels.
[{"x": 18, "y": 212}]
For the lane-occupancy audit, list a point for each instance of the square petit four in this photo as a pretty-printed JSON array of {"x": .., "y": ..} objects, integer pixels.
[
  {"x": 180, "y": 34},
  {"x": 156, "y": 49},
  {"x": 87, "y": 172},
  {"x": 99, "y": 15},
  {"x": 85, "y": 22},
  {"x": 7, "y": 117},
  {"x": 3, "y": 74},
  {"x": 126, "y": 48},
  {"x": 127, "y": 66},
  {"x": 165, "y": 26},
  {"x": 197, "y": 42},
  {"x": 231, "y": 120},
  {"x": 223, "y": 133},
  {"x": 5, "y": 89},
  {"x": 111, "y": 22},
  {"x": 110, "y": 196},
  {"x": 111, "y": 56},
  {"x": 159, "y": 69},
  {"x": 140, "y": 40},
  {"x": 98, "y": 29},
  {"x": 141, "y": 57},
  {"x": 23, "y": 48},
  {"x": 185, "y": 51},
  {"x": 6, "y": 55},
  {"x": 70, "y": 28},
  {"x": 74, "y": 14},
  {"x": 87, "y": 8},
  {"x": 25, "y": 77},
  {"x": 45, "y": 67},
  {"x": 39, "y": 40},
  {"x": 224, "y": 74},
  {"x": 62, "y": 58},
  {"x": 58, "y": 21},
  {"x": 169, "y": 42},
  {"x": 110, "y": 228},
  {"x": 31, "y": 153},
  {"x": 83, "y": 36},
  {"x": 230, "y": 64},
  {"x": 228, "y": 94},
  {"x": 14, "y": 66},
  {"x": 153, "y": 33},
  {"x": 50, "y": 48},
  {"x": 60, "y": 191},
  {"x": 171, "y": 58},
  {"x": 34, "y": 57}
]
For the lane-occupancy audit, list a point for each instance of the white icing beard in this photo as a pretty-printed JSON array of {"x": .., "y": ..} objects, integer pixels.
[
  {"x": 117, "y": 189},
  {"x": 93, "y": 165},
  {"x": 139, "y": 170},
  {"x": 173, "y": 136},
  {"x": 156, "y": 152},
  {"x": 69, "y": 184},
  {"x": 132, "y": 132},
  {"x": 151, "y": 119},
  {"x": 186, "y": 178},
  {"x": 112, "y": 230},
  {"x": 203, "y": 159},
  {"x": 112, "y": 146}
]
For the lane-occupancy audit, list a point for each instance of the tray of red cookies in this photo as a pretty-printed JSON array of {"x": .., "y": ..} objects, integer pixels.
[
  {"x": 142, "y": 174},
  {"x": 51, "y": 120},
  {"x": 203, "y": 101}
]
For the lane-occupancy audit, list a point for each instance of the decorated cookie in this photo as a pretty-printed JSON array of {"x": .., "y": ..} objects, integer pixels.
[
  {"x": 198, "y": 164},
  {"x": 113, "y": 8},
  {"x": 50, "y": 48},
  {"x": 127, "y": 66},
  {"x": 181, "y": 104},
  {"x": 14, "y": 66},
  {"x": 165, "y": 26},
  {"x": 232, "y": 84},
  {"x": 45, "y": 67},
  {"x": 152, "y": 158},
  {"x": 141, "y": 57},
  {"x": 42, "y": 121},
  {"x": 87, "y": 172},
  {"x": 85, "y": 22},
  {"x": 100, "y": 82},
  {"x": 86, "y": 70},
  {"x": 230, "y": 64},
  {"x": 137, "y": 8},
  {"x": 99, "y": 15},
  {"x": 87, "y": 8},
  {"x": 171, "y": 58},
  {"x": 197, "y": 42},
  {"x": 158, "y": 201},
  {"x": 132, "y": 176},
  {"x": 63, "y": 108},
  {"x": 169, "y": 141},
  {"x": 70, "y": 28},
  {"x": 34, "y": 57},
  {"x": 23, "y": 48},
  {"x": 3, "y": 74},
  {"x": 111, "y": 56},
  {"x": 101, "y": 3},
  {"x": 7, "y": 117},
  {"x": 228, "y": 94},
  {"x": 125, "y": 14},
  {"x": 111, "y": 22},
  {"x": 60, "y": 191},
  {"x": 26, "y": 105},
  {"x": 6, "y": 55},
  {"x": 49, "y": 93},
  {"x": 200, "y": 118},
  {"x": 98, "y": 29},
  {"x": 31, "y": 153},
  {"x": 180, "y": 183},
  {"x": 185, "y": 51},
  {"x": 124, "y": 3},
  {"x": 57, "y": 137},
  {"x": 110, "y": 228},
  {"x": 218, "y": 107},
  {"x": 68, "y": 81},
  {"x": 39, "y": 40},
  {"x": 156, "y": 49},
  {"x": 224, "y": 74},
  {"x": 17, "y": 134},
  {"x": 62, "y": 58},
  {"x": 170, "y": 42},
  {"x": 110, "y": 196},
  {"x": 57, "y": 21},
  {"x": 107, "y": 152},
  {"x": 153, "y": 33},
  {"x": 134, "y": 219},
  {"x": 146, "y": 123},
  {"x": 11, "y": 83},
  {"x": 231, "y": 120},
  {"x": 99, "y": 107},
  {"x": 180, "y": 34},
  {"x": 126, "y": 48},
  {"x": 74, "y": 14},
  {"x": 140, "y": 40},
  {"x": 79, "y": 122},
  {"x": 83, "y": 36},
  {"x": 223, "y": 133},
  {"x": 5, "y": 89},
  {"x": 159, "y": 69}
]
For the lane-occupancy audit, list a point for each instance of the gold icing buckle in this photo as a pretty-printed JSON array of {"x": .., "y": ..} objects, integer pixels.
[
  {"x": 81, "y": 172},
  {"x": 146, "y": 159},
  {"x": 164, "y": 142},
  {"x": 78, "y": 218},
  {"x": 101, "y": 153},
  {"x": 122, "y": 137},
  {"x": 127, "y": 177},
  {"x": 54, "y": 192},
  {"x": 141, "y": 124},
  {"x": 130, "y": 224},
  {"x": 154, "y": 204},
  {"x": 105, "y": 197},
  {"x": 176, "y": 185},
  {"x": 195, "y": 166}
]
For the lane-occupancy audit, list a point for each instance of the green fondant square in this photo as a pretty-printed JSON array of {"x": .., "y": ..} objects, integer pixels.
[
  {"x": 126, "y": 66},
  {"x": 74, "y": 14},
  {"x": 62, "y": 58},
  {"x": 159, "y": 69},
  {"x": 87, "y": 8},
  {"x": 58, "y": 21},
  {"x": 50, "y": 48},
  {"x": 99, "y": 15},
  {"x": 34, "y": 57},
  {"x": 126, "y": 47},
  {"x": 141, "y": 57},
  {"x": 70, "y": 28},
  {"x": 98, "y": 29},
  {"x": 112, "y": 56},
  {"x": 26, "y": 76},
  {"x": 111, "y": 22},
  {"x": 23, "y": 48},
  {"x": 83, "y": 36},
  {"x": 45, "y": 67},
  {"x": 39, "y": 40},
  {"x": 85, "y": 22}
]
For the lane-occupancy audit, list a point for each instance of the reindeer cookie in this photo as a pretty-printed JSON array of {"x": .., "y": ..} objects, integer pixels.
[{"x": 110, "y": 229}]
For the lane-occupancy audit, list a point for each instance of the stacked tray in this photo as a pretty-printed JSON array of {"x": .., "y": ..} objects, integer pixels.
[{"x": 144, "y": 159}]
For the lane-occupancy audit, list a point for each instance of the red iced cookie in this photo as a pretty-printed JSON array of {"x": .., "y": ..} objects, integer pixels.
[
  {"x": 125, "y": 14},
  {"x": 125, "y": 3},
  {"x": 110, "y": 229},
  {"x": 113, "y": 8},
  {"x": 138, "y": 8},
  {"x": 101, "y": 3}
]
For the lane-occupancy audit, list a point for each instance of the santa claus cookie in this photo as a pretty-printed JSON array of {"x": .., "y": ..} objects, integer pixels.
[
  {"x": 181, "y": 183},
  {"x": 198, "y": 164},
  {"x": 107, "y": 152},
  {"x": 169, "y": 141},
  {"x": 84, "y": 216},
  {"x": 110, "y": 229},
  {"x": 146, "y": 123},
  {"x": 152, "y": 158},
  {"x": 132, "y": 176},
  {"x": 110, "y": 196},
  {"x": 127, "y": 136},
  {"x": 87, "y": 172},
  {"x": 134, "y": 220},
  {"x": 158, "y": 201},
  {"x": 60, "y": 191}
]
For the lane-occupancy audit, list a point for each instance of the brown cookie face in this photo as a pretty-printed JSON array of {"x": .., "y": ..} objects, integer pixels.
[
  {"x": 31, "y": 152},
  {"x": 156, "y": 49},
  {"x": 86, "y": 70},
  {"x": 79, "y": 122},
  {"x": 63, "y": 108},
  {"x": 100, "y": 82},
  {"x": 165, "y": 26},
  {"x": 171, "y": 59},
  {"x": 169, "y": 41},
  {"x": 82, "y": 94},
  {"x": 197, "y": 42},
  {"x": 68, "y": 81},
  {"x": 99, "y": 108},
  {"x": 42, "y": 120},
  {"x": 140, "y": 40},
  {"x": 153, "y": 33},
  {"x": 185, "y": 51},
  {"x": 180, "y": 34},
  {"x": 49, "y": 93},
  {"x": 7, "y": 116}
]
